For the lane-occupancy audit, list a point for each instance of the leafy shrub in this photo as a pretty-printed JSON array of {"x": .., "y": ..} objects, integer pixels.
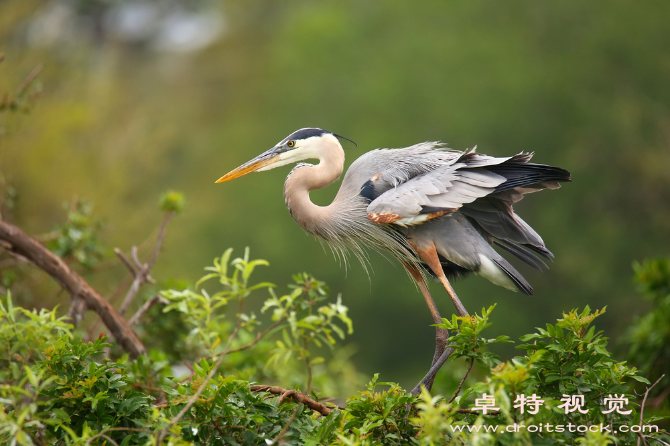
[
  {"x": 649, "y": 335},
  {"x": 57, "y": 389}
]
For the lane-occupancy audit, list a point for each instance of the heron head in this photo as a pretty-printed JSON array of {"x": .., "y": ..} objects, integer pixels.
[{"x": 307, "y": 143}]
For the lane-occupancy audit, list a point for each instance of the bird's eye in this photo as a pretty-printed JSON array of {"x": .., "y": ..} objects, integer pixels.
[{"x": 291, "y": 143}]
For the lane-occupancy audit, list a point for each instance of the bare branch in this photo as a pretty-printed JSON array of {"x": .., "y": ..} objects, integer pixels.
[
  {"x": 144, "y": 308},
  {"x": 644, "y": 400},
  {"x": 26, "y": 246},
  {"x": 136, "y": 259},
  {"x": 141, "y": 271},
  {"x": 259, "y": 336},
  {"x": 299, "y": 397},
  {"x": 159, "y": 239},
  {"x": 460, "y": 386},
  {"x": 29, "y": 80},
  {"x": 132, "y": 292},
  {"x": 77, "y": 309},
  {"x": 111, "y": 429},
  {"x": 125, "y": 261}
]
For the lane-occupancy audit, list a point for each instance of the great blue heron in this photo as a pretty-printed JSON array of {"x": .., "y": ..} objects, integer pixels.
[{"x": 436, "y": 210}]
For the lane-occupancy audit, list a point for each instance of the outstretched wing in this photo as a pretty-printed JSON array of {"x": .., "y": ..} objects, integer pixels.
[
  {"x": 481, "y": 187},
  {"x": 439, "y": 191}
]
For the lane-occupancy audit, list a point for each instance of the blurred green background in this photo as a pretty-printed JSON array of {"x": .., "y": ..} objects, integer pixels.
[{"x": 142, "y": 96}]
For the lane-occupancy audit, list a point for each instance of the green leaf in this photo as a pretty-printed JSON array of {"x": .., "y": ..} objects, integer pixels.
[
  {"x": 640, "y": 379},
  {"x": 61, "y": 414}
]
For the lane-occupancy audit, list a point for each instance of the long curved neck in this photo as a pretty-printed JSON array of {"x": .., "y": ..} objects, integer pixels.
[{"x": 303, "y": 179}]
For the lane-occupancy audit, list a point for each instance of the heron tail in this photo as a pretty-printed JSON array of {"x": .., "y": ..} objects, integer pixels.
[{"x": 501, "y": 272}]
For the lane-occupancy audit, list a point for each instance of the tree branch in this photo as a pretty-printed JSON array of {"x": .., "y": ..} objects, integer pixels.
[
  {"x": 299, "y": 397},
  {"x": 259, "y": 336},
  {"x": 159, "y": 239},
  {"x": 460, "y": 386},
  {"x": 77, "y": 309},
  {"x": 644, "y": 400},
  {"x": 140, "y": 275},
  {"x": 144, "y": 308},
  {"x": 141, "y": 271},
  {"x": 26, "y": 246}
]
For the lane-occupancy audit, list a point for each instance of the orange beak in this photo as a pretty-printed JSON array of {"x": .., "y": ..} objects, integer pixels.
[{"x": 261, "y": 161}]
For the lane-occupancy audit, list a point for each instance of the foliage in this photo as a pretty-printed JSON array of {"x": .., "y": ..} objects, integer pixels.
[
  {"x": 303, "y": 317},
  {"x": 589, "y": 76},
  {"x": 581, "y": 84},
  {"x": 202, "y": 310},
  {"x": 379, "y": 416},
  {"x": 571, "y": 358},
  {"x": 648, "y": 337},
  {"x": 24, "y": 96},
  {"x": 87, "y": 393},
  {"x": 58, "y": 389},
  {"x": 78, "y": 237},
  {"x": 228, "y": 412},
  {"x": 464, "y": 337},
  {"x": 23, "y": 336}
]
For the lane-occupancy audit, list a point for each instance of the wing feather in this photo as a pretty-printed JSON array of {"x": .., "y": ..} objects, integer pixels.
[{"x": 446, "y": 187}]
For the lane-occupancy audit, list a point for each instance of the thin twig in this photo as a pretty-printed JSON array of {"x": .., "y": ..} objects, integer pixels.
[
  {"x": 159, "y": 239},
  {"x": 277, "y": 440},
  {"x": 110, "y": 440},
  {"x": 125, "y": 261},
  {"x": 308, "y": 363},
  {"x": 460, "y": 386},
  {"x": 142, "y": 271},
  {"x": 77, "y": 309},
  {"x": 298, "y": 396},
  {"x": 29, "y": 80},
  {"x": 102, "y": 434},
  {"x": 139, "y": 271},
  {"x": 144, "y": 308},
  {"x": 644, "y": 400},
  {"x": 201, "y": 388},
  {"x": 132, "y": 292},
  {"x": 259, "y": 336}
]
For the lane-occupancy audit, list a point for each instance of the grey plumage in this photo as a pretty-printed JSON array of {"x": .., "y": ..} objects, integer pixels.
[
  {"x": 434, "y": 209},
  {"x": 427, "y": 178},
  {"x": 425, "y": 194}
]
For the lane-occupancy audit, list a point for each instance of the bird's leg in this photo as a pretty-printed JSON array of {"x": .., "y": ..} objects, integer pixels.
[
  {"x": 441, "y": 334},
  {"x": 454, "y": 298},
  {"x": 427, "y": 380},
  {"x": 429, "y": 255}
]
